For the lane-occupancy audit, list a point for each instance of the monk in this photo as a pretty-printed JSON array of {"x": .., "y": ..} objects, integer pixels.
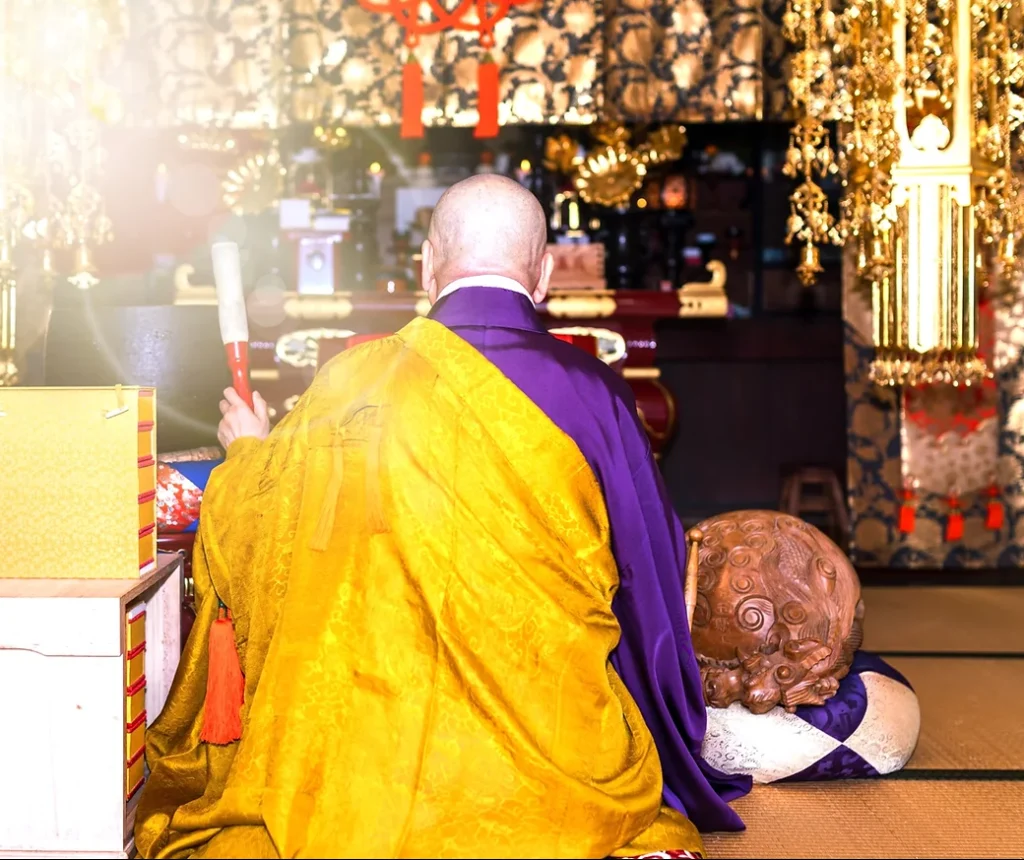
[{"x": 453, "y": 582}]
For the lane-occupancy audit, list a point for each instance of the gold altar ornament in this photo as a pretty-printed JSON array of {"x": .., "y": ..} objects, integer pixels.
[
  {"x": 256, "y": 183},
  {"x": 612, "y": 171},
  {"x": 927, "y": 98}
]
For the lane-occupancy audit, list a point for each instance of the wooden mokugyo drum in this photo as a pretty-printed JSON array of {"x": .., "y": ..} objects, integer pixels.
[{"x": 778, "y": 612}]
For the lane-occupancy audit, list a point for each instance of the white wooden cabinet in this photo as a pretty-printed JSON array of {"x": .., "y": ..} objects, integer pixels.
[{"x": 79, "y": 681}]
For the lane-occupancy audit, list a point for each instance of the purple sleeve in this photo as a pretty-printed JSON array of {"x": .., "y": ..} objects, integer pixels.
[{"x": 655, "y": 656}]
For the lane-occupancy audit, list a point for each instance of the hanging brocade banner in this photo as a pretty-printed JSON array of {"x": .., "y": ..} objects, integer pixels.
[{"x": 950, "y": 447}]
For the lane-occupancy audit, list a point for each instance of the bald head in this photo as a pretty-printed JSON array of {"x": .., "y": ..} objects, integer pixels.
[{"x": 487, "y": 225}]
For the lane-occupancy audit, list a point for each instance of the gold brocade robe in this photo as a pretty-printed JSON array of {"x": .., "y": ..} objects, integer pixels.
[{"x": 418, "y": 565}]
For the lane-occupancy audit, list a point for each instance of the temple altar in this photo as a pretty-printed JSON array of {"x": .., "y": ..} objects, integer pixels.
[{"x": 291, "y": 334}]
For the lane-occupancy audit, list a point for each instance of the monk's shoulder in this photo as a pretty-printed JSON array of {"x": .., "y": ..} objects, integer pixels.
[
  {"x": 594, "y": 377},
  {"x": 358, "y": 366}
]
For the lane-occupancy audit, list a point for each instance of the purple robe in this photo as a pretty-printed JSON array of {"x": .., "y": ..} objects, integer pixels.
[{"x": 592, "y": 405}]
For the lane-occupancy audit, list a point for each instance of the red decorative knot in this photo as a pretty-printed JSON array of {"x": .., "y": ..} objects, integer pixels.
[
  {"x": 473, "y": 16},
  {"x": 955, "y": 521},
  {"x": 465, "y": 15}
]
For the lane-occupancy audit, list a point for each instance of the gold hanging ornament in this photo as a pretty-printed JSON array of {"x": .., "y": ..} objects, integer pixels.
[
  {"x": 928, "y": 115},
  {"x": 811, "y": 25},
  {"x": 869, "y": 144}
]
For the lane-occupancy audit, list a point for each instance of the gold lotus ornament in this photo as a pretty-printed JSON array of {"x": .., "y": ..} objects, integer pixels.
[
  {"x": 256, "y": 184},
  {"x": 613, "y": 171},
  {"x": 610, "y": 176}
]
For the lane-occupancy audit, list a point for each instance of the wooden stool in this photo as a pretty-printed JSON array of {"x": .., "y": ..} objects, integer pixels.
[{"x": 825, "y": 497}]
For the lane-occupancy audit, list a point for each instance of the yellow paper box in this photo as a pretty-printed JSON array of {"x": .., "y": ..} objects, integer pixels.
[{"x": 77, "y": 480}]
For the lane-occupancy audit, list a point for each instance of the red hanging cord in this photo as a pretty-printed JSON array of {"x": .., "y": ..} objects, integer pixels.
[
  {"x": 489, "y": 91},
  {"x": 412, "y": 93},
  {"x": 955, "y": 521}
]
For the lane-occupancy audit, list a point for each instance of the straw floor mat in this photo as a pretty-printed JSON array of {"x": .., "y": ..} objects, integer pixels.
[{"x": 962, "y": 794}]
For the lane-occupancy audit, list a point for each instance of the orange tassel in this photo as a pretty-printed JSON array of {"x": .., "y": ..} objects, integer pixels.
[
  {"x": 908, "y": 513},
  {"x": 996, "y": 515},
  {"x": 225, "y": 685},
  {"x": 489, "y": 80},
  {"x": 412, "y": 99},
  {"x": 955, "y": 522}
]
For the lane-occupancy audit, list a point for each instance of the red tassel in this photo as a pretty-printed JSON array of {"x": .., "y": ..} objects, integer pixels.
[
  {"x": 412, "y": 99},
  {"x": 955, "y": 522},
  {"x": 996, "y": 515},
  {"x": 489, "y": 79},
  {"x": 225, "y": 685},
  {"x": 908, "y": 513}
]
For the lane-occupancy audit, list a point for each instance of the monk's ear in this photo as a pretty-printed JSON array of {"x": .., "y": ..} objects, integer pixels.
[
  {"x": 547, "y": 266},
  {"x": 428, "y": 279}
]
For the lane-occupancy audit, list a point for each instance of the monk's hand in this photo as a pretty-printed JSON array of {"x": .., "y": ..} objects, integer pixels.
[{"x": 239, "y": 420}]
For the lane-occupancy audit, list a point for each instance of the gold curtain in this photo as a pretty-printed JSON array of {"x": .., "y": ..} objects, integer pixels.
[
  {"x": 683, "y": 60},
  {"x": 252, "y": 64},
  {"x": 216, "y": 62}
]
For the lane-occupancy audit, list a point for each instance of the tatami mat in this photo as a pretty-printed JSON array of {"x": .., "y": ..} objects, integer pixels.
[
  {"x": 878, "y": 819},
  {"x": 962, "y": 794},
  {"x": 970, "y": 712},
  {"x": 944, "y": 619}
]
